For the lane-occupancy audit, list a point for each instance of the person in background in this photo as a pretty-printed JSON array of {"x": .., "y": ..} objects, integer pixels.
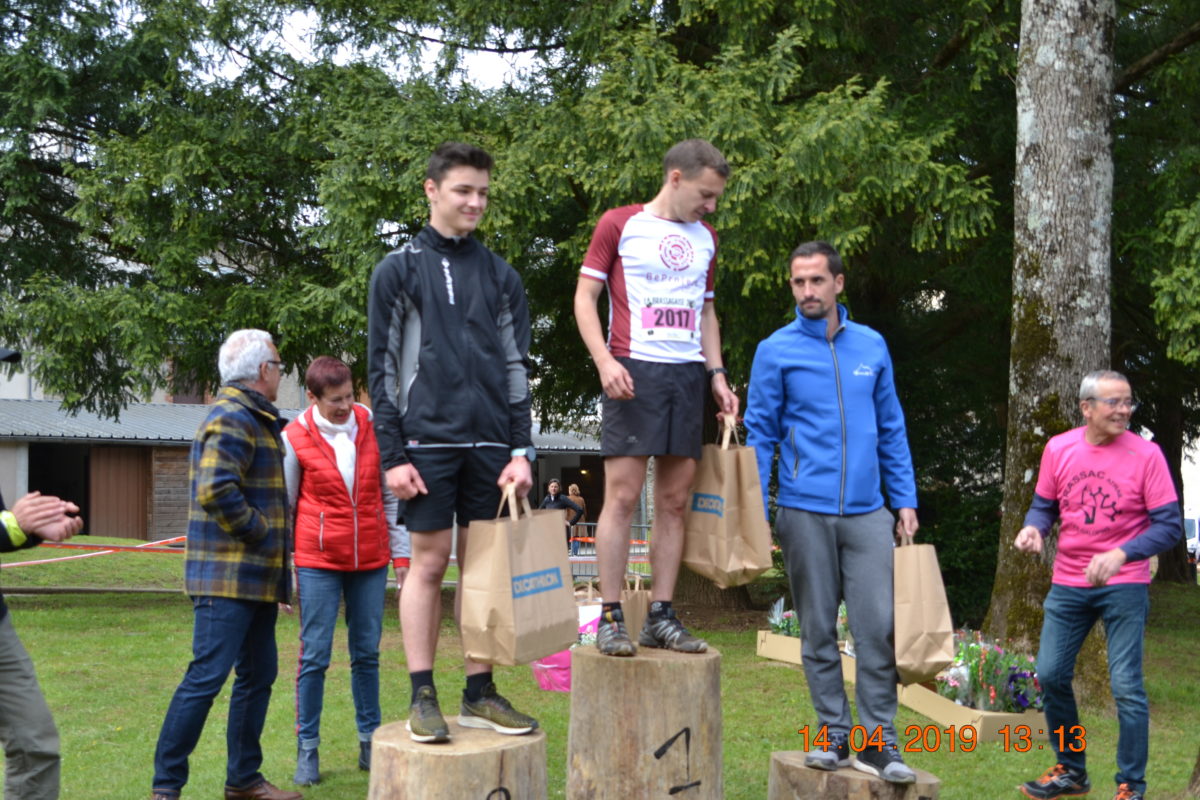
[
  {"x": 346, "y": 534},
  {"x": 556, "y": 499},
  {"x": 1111, "y": 492},
  {"x": 237, "y": 570},
  {"x": 579, "y": 531},
  {"x": 32, "y": 764}
]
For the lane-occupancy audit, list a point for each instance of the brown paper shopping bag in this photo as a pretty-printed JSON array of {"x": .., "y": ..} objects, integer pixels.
[
  {"x": 635, "y": 604},
  {"x": 517, "y": 599},
  {"x": 727, "y": 539},
  {"x": 924, "y": 632}
]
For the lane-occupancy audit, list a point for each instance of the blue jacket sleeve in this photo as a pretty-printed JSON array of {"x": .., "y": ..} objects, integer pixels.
[
  {"x": 1042, "y": 513},
  {"x": 895, "y": 459},
  {"x": 764, "y": 413},
  {"x": 1164, "y": 531}
]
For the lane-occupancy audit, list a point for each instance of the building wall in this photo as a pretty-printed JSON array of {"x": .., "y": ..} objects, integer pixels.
[
  {"x": 14, "y": 470},
  {"x": 169, "y": 493}
]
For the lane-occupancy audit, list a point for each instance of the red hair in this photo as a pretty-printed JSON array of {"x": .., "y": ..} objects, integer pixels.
[{"x": 325, "y": 372}]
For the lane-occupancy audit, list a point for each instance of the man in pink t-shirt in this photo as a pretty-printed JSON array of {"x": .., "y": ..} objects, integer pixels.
[{"x": 1112, "y": 494}]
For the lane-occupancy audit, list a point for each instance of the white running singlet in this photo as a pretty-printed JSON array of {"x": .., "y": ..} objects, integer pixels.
[{"x": 659, "y": 274}]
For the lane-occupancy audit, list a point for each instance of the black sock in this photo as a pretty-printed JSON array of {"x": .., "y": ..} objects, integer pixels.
[
  {"x": 606, "y": 610},
  {"x": 420, "y": 678},
  {"x": 660, "y": 608},
  {"x": 476, "y": 685}
]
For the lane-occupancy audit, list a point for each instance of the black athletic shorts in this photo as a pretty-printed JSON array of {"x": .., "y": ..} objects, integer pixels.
[
  {"x": 665, "y": 416},
  {"x": 461, "y": 483}
]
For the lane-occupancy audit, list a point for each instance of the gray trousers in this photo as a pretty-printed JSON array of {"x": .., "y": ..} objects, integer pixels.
[
  {"x": 27, "y": 732},
  {"x": 830, "y": 558}
]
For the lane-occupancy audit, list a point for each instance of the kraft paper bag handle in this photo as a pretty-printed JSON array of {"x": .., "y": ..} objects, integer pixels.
[
  {"x": 510, "y": 496},
  {"x": 634, "y": 582},
  {"x": 730, "y": 431},
  {"x": 906, "y": 539}
]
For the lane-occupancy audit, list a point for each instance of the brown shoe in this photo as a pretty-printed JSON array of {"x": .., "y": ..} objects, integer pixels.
[{"x": 261, "y": 791}]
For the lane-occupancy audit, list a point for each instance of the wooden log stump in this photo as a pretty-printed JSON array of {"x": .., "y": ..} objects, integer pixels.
[
  {"x": 474, "y": 765},
  {"x": 646, "y": 727},
  {"x": 790, "y": 780}
]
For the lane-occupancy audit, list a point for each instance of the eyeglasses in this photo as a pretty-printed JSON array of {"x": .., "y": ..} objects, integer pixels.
[
  {"x": 278, "y": 364},
  {"x": 1116, "y": 402}
]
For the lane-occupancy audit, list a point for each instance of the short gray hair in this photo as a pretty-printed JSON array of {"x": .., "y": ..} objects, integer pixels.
[
  {"x": 242, "y": 353},
  {"x": 1091, "y": 382}
]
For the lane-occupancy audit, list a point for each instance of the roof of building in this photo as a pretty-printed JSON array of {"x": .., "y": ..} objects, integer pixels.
[{"x": 169, "y": 424}]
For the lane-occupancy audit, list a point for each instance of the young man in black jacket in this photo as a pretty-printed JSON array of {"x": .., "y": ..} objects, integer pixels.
[{"x": 448, "y": 368}]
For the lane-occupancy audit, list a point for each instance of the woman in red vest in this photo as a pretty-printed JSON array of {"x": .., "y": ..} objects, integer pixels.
[{"x": 347, "y": 531}]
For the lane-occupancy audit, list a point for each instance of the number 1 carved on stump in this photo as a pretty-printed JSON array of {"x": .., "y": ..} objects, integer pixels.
[{"x": 686, "y": 733}]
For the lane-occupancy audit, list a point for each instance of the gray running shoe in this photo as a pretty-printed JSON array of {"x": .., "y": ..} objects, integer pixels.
[
  {"x": 837, "y": 754},
  {"x": 425, "y": 720},
  {"x": 611, "y": 637},
  {"x": 493, "y": 711},
  {"x": 667, "y": 632}
]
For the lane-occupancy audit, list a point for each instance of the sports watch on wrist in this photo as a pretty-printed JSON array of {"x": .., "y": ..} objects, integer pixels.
[{"x": 528, "y": 452}]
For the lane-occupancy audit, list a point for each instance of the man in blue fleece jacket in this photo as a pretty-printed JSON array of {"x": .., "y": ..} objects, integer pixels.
[{"x": 821, "y": 391}]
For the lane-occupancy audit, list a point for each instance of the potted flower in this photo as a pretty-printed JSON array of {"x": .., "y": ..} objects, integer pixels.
[
  {"x": 989, "y": 687},
  {"x": 782, "y": 641}
]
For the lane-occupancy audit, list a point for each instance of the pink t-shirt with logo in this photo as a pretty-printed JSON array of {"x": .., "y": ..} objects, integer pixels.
[{"x": 1104, "y": 494}]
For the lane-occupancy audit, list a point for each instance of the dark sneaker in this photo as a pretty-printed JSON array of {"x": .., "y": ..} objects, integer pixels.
[
  {"x": 885, "y": 762},
  {"x": 425, "y": 720},
  {"x": 493, "y": 711},
  {"x": 1058, "y": 781},
  {"x": 364, "y": 756},
  {"x": 667, "y": 632},
  {"x": 611, "y": 637},
  {"x": 837, "y": 754},
  {"x": 1126, "y": 793}
]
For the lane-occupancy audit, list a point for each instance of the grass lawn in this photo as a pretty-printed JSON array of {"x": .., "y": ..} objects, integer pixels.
[{"x": 109, "y": 662}]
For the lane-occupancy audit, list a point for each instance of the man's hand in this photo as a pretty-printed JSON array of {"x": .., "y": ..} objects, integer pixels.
[
  {"x": 615, "y": 380},
  {"x": 1104, "y": 565},
  {"x": 46, "y": 516},
  {"x": 727, "y": 399},
  {"x": 907, "y": 524},
  {"x": 1029, "y": 540},
  {"x": 405, "y": 482},
  {"x": 517, "y": 472}
]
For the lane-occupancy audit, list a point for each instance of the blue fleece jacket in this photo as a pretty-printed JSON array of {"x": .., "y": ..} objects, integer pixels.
[{"x": 831, "y": 409}]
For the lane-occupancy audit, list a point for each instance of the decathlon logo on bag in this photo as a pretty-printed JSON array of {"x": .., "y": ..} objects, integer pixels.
[
  {"x": 534, "y": 582},
  {"x": 708, "y": 503}
]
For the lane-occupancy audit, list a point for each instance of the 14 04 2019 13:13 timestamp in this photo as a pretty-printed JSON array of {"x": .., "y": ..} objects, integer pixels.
[{"x": 964, "y": 739}]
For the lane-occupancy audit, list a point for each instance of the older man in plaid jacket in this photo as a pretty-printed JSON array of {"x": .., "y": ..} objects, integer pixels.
[{"x": 236, "y": 571}]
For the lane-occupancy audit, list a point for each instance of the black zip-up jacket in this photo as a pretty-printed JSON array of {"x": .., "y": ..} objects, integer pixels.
[{"x": 447, "y": 348}]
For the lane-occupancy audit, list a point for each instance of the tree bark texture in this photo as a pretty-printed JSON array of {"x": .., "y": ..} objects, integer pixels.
[{"x": 1061, "y": 323}]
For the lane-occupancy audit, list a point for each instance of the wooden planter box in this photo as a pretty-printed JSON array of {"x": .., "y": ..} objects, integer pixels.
[
  {"x": 945, "y": 712},
  {"x": 787, "y": 648},
  {"x": 987, "y": 724}
]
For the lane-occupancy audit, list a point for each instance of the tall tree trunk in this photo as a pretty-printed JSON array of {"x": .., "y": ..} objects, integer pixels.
[{"x": 1061, "y": 323}]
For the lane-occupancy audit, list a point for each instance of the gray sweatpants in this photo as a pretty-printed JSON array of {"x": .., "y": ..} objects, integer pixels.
[
  {"x": 27, "y": 732},
  {"x": 830, "y": 558}
]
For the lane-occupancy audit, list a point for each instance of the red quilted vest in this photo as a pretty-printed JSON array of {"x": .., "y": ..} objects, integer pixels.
[{"x": 336, "y": 529}]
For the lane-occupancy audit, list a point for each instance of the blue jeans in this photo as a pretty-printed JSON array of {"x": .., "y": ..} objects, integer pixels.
[
  {"x": 1070, "y": 613},
  {"x": 320, "y": 593},
  {"x": 228, "y": 634}
]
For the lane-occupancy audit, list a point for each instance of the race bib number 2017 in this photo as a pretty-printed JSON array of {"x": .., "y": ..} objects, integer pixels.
[{"x": 669, "y": 322}]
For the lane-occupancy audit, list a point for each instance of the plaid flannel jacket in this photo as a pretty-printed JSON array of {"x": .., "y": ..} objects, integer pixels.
[{"x": 238, "y": 540}]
